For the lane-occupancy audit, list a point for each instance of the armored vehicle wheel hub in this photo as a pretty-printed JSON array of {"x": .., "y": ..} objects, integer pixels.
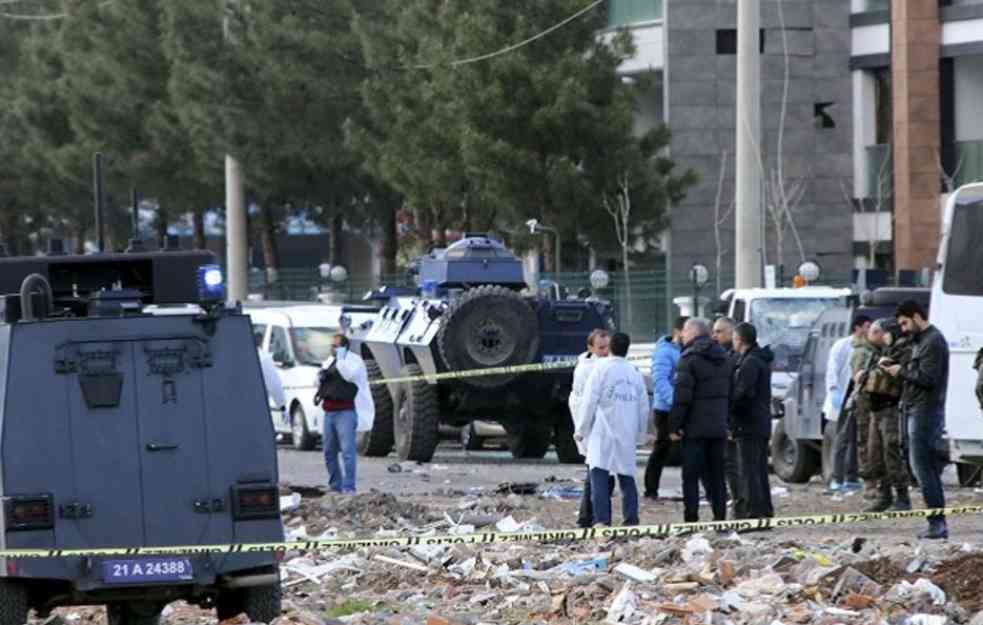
[{"x": 490, "y": 343}]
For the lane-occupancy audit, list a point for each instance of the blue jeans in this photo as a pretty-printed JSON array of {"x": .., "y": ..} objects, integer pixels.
[
  {"x": 600, "y": 495},
  {"x": 924, "y": 440},
  {"x": 339, "y": 437}
]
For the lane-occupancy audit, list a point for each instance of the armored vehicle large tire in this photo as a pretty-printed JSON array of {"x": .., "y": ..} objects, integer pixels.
[
  {"x": 302, "y": 438},
  {"x": 489, "y": 326},
  {"x": 13, "y": 603},
  {"x": 566, "y": 446},
  {"x": 416, "y": 418},
  {"x": 529, "y": 440},
  {"x": 794, "y": 461},
  {"x": 378, "y": 441},
  {"x": 260, "y": 603},
  {"x": 133, "y": 613}
]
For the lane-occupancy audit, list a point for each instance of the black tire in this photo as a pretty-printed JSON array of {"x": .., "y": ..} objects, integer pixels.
[
  {"x": 794, "y": 461},
  {"x": 563, "y": 441},
  {"x": 416, "y": 418},
  {"x": 489, "y": 326},
  {"x": 969, "y": 474},
  {"x": 13, "y": 603},
  {"x": 133, "y": 613},
  {"x": 829, "y": 438},
  {"x": 470, "y": 439},
  {"x": 260, "y": 603},
  {"x": 301, "y": 437},
  {"x": 529, "y": 440},
  {"x": 377, "y": 442}
]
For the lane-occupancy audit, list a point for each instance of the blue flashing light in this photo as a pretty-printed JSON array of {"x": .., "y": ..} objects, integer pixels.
[{"x": 211, "y": 284}]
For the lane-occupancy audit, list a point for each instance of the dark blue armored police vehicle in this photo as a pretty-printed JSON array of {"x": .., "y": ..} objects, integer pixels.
[
  {"x": 123, "y": 426},
  {"x": 468, "y": 312}
]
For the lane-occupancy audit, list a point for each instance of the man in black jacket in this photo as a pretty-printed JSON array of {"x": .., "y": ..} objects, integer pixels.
[
  {"x": 699, "y": 417},
  {"x": 924, "y": 380},
  {"x": 723, "y": 334},
  {"x": 751, "y": 422}
]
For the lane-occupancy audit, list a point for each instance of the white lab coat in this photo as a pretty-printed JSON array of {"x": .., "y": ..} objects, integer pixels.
[
  {"x": 271, "y": 378},
  {"x": 585, "y": 364},
  {"x": 352, "y": 369},
  {"x": 837, "y": 377},
  {"x": 614, "y": 413}
]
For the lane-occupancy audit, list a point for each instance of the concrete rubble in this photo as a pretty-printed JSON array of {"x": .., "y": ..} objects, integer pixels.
[{"x": 699, "y": 579}]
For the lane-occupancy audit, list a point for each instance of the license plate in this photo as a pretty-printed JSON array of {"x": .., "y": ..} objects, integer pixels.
[{"x": 147, "y": 570}]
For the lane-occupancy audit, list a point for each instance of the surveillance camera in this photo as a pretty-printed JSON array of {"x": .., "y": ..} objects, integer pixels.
[{"x": 531, "y": 224}]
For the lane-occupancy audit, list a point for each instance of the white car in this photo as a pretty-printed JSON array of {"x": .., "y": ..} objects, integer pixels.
[{"x": 299, "y": 339}]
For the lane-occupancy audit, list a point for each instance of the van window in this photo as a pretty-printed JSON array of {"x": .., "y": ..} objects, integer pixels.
[
  {"x": 278, "y": 345},
  {"x": 965, "y": 254},
  {"x": 259, "y": 331},
  {"x": 739, "y": 308},
  {"x": 313, "y": 345}
]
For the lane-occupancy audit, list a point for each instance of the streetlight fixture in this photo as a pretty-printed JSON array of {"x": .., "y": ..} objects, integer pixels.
[
  {"x": 599, "y": 279},
  {"x": 699, "y": 275},
  {"x": 535, "y": 227},
  {"x": 810, "y": 271}
]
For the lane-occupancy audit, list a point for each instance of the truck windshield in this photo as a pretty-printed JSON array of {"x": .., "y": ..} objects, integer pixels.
[
  {"x": 963, "y": 258},
  {"x": 312, "y": 346},
  {"x": 784, "y": 324}
]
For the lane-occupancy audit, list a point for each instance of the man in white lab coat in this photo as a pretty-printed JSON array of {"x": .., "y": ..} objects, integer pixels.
[
  {"x": 598, "y": 347},
  {"x": 271, "y": 377},
  {"x": 344, "y": 395},
  {"x": 613, "y": 417}
]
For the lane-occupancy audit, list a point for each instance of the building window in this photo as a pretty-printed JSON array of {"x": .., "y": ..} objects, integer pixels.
[
  {"x": 821, "y": 111},
  {"x": 627, "y": 12},
  {"x": 727, "y": 41}
]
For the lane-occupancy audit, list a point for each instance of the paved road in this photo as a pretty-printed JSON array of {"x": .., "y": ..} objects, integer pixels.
[{"x": 452, "y": 468}]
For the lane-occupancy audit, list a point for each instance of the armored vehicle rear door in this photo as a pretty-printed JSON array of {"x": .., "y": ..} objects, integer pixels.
[{"x": 138, "y": 442}]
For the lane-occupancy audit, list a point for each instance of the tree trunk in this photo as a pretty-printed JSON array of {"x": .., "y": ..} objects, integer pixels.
[
  {"x": 79, "y": 233},
  {"x": 438, "y": 231},
  {"x": 267, "y": 232},
  {"x": 334, "y": 239},
  {"x": 546, "y": 246},
  {"x": 423, "y": 220},
  {"x": 10, "y": 231},
  {"x": 390, "y": 236},
  {"x": 198, "y": 221},
  {"x": 628, "y": 298},
  {"x": 161, "y": 226}
]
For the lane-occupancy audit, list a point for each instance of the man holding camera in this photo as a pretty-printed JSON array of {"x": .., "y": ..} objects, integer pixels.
[{"x": 343, "y": 393}]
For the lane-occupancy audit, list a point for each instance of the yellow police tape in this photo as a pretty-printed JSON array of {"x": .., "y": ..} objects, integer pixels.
[
  {"x": 477, "y": 373},
  {"x": 488, "y": 538}
]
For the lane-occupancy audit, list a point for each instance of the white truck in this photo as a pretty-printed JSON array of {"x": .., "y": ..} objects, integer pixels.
[
  {"x": 783, "y": 318},
  {"x": 957, "y": 310}
]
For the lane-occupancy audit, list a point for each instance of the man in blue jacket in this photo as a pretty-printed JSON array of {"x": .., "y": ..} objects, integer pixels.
[{"x": 664, "y": 358}]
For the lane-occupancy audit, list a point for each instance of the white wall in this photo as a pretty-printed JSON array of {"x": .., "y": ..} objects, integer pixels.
[
  {"x": 875, "y": 39},
  {"x": 649, "y": 50},
  {"x": 864, "y": 126},
  {"x": 968, "y": 80},
  {"x": 649, "y": 103}
]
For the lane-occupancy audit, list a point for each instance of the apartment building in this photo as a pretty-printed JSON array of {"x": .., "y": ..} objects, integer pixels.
[
  {"x": 917, "y": 68},
  {"x": 686, "y": 51}
]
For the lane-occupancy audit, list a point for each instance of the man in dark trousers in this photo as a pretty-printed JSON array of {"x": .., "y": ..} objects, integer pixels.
[
  {"x": 723, "y": 334},
  {"x": 924, "y": 381},
  {"x": 699, "y": 417},
  {"x": 664, "y": 358},
  {"x": 751, "y": 422}
]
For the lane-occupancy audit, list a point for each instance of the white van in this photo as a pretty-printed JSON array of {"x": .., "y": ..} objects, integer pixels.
[
  {"x": 299, "y": 338},
  {"x": 957, "y": 310}
]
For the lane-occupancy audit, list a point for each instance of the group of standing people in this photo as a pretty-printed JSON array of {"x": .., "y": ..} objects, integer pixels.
[
  {"x": 885, "y": 396},
  {"x": 711, "y": 393}
]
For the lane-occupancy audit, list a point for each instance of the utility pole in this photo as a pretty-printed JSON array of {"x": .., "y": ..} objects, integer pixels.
[
  {"x": 236, "y": 257},
  {"x": 748, "y": 218}
]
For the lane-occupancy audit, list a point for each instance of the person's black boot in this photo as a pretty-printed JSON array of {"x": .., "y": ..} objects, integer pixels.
[
  {"x": 883, "y": 502},
  {"x": 937, "y": 530},
  {"x": 903, "y": 501}
]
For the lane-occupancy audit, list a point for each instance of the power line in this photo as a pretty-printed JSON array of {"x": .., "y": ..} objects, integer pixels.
[
  {"x": 515, "y": 46},
  {"x": 40, "y": 16}
]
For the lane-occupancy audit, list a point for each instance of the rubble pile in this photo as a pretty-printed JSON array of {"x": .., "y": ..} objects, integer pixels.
[{"x": 766, "y": 578}]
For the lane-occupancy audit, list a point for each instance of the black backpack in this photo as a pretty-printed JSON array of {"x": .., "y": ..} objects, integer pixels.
[{"x": 330, "y": 385}]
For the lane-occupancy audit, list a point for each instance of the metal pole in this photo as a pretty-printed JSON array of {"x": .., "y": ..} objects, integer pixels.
[
  {"x": 98, "y": 199},
  {"x": 749, "y": 240},
  {"x": 236, "y": 260},
  {"x": 135, "y": 214},
  {"x": 236, "y": 244}
]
